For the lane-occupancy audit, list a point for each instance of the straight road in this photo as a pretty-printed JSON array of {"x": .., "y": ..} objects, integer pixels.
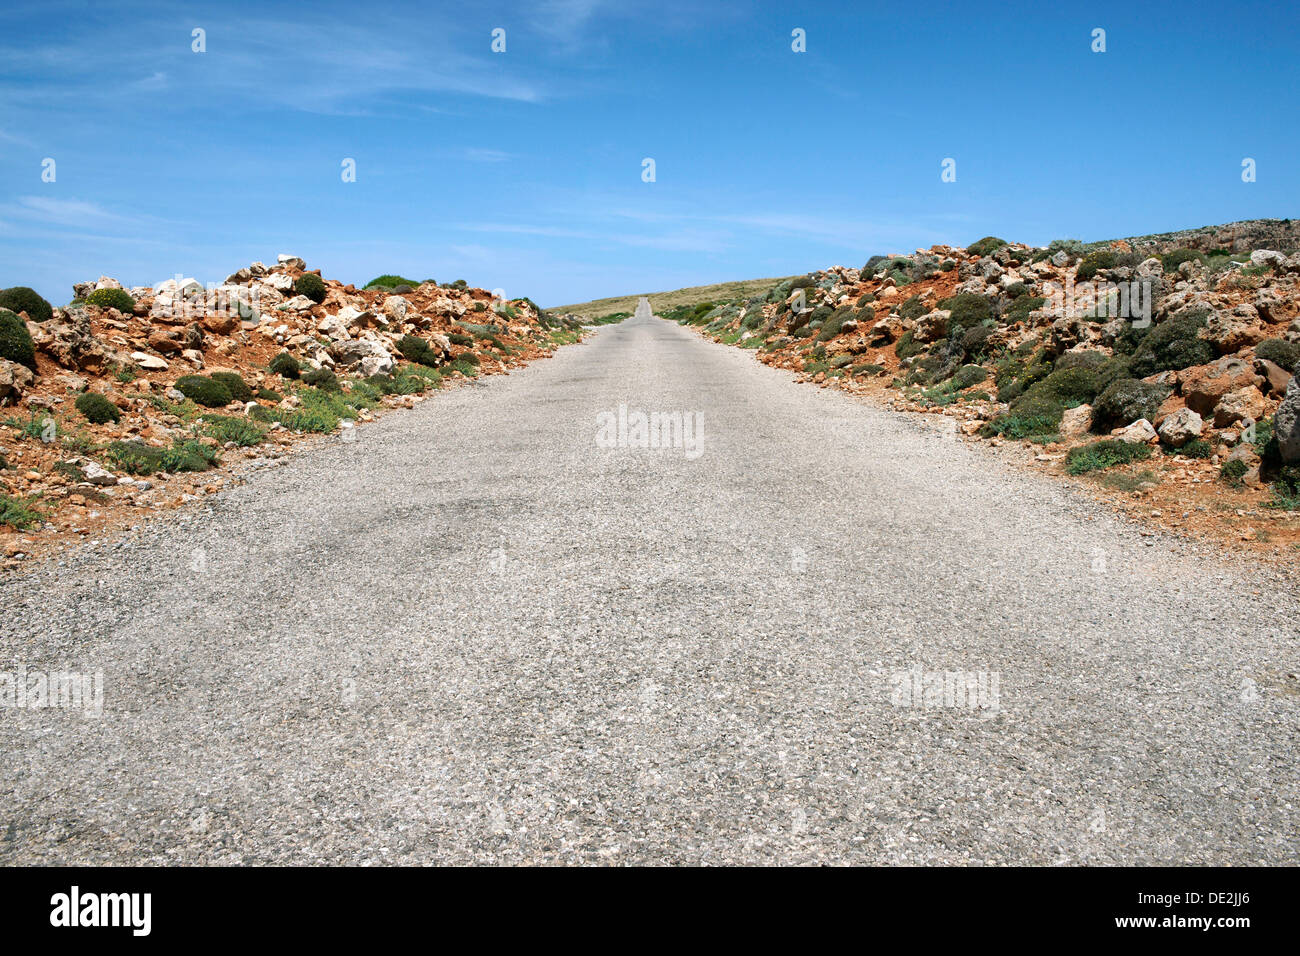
[{"x": 497, "y": 629}]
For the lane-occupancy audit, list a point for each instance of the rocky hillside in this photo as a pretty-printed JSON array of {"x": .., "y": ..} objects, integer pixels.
[
  {"x": 1162, "y": 366},
  {"x": 131, "y": 400}
]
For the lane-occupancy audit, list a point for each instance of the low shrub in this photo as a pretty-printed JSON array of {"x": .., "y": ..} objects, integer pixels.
[
  {"x": 1172, "y": 260},
  {"x": 207, "y": 392},
  {"x": 1124, "y": 401},
  {"x": 912, "y": 309},
  {"x": 460, "y": 338},
  {"x": 416, "y": 349},
  {"x": 1173, "y": 344},
  {"x": 967, "y": 376},
  {"x": 1094, "y": 262},
  {"x": 137, "y": 458},
  {"x": 388, "y": 281},
  {"x": 239, "y": 389},
  {"x": 1032, "y": 416},
  {"x": 310, "y": 285},
  {"x": 97, "y": 409},
  {"x": 269, "y": 395},
  {"x": 15, "y": 341},
  {"x": 228, "y": 428},
  {"x": 1280, "y": 352},
  {"x": 1233, "y": 470},
  {"x": 1104, "y": 454},
  {"x": 22, "y": 299},
  {"x": 906, "y": 347},
  {"x": 1196, "y": 448},
  {"x": 18, "y": 513},
  {"x": 321, "y": 378},
  {"x": 118, "y": 299},
  {"x": 986, "y": 246},
  {"x": 285, "y": 366},
  {"x": 968, "y": 309}
]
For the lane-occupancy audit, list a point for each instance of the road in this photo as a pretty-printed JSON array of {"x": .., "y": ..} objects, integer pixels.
[{"x": 496, "y": 629}]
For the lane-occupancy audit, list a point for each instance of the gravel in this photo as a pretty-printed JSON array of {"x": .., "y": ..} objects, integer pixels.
[{"x": 473, "y": 635}]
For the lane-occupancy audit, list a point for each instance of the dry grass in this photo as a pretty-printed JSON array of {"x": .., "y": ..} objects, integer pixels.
[{"x": 662, "y": 301}]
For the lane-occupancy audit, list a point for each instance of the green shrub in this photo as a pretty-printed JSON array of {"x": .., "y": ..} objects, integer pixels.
[
  {"x": 321, "y": 378},
  {"x": 310, "y": 285},
  {"x": 968, "y": 309},
  {"x": 1032, "y": 416},
  {"x": 1173, "y": 344},
  {"x": 388, "y": 281},
  {"x": 906, "y": 347},
  {"x": 1070, "y": 385},
  {"x": 974, "y": 341},
  {"x": 1172, "y": 260},
  {"x": 967, "y": 376},
  {"x": 1233, "y": 470},
  {"x": 285, "y": 365},
  {"x": 15, "y": 341},
  {"x": 1016, "y": 290},
  {"x": 22, "y": 299},
  {"x": 912, "y": 309},
  {"x": 236, "y": 386},
  {"x": 465, "y": 366},
  {"x": 137, "y": 458},
  {"x": 97, "y": 409},
  {"x": 416, "y": 349},
  {"x": 1104, "y": 454},
  {"x": 1279, "y": 351},
  {"x": 269, "y": 395},
  {"x": 834, "y": 322},
  {"x": 1286, "y": 488},
  {"x": 1094, "y": 262},
  {"x": 1124, "y": 401},
  {"x": 118, "y": 299},
  {"x": 228, "y": 428},
  {"x": 18, "y": 513},
  {"x": 204, "y": 391},
  {"x": 460, "y": 338},
  {"x": 1020, "y": 308},
  {"x": 986, "y": 246},
  {"x": 1196, "y": 448}
]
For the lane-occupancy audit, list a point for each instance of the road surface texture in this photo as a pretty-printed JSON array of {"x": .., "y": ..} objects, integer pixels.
[{"x": 485, "y": 632}]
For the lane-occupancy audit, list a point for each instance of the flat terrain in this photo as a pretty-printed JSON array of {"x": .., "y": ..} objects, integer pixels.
[
  {"x": 475, "y": 635},
  {"x": 663, "y": 301}
]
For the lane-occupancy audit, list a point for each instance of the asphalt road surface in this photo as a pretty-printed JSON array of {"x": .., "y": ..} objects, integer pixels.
[{"x": 802, "y": 630}]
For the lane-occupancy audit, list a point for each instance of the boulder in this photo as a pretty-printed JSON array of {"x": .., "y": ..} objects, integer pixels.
[
  {"x": 1076, "y": 422},
  {"x": 67, "y": 339},
  {"x": 291, "y": 262},
  {"x": 1286, "y": 423},
  {"x": 1275, "y": 376},
  {"x": 150, "y": 363},
  {"x": 367, "y": 355},
  {"x": 15, "y": 380},
  {"x": 1181, "y": 427},
  {"x": 1138, "y": 433},
  {"x": 932, "y": 326},
  {"x": 1204, "y": 385},
  {"x": 1238, "y": 406},
  {"x": 1236, "y": 329}
]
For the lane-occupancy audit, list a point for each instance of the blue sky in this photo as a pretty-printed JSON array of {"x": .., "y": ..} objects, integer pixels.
[{"x": 522, "y": 170}]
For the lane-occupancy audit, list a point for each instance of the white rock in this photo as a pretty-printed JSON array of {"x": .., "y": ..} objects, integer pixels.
[
  {"x": 1139, "y": 433},
  {"x": 150, "y": 363}
]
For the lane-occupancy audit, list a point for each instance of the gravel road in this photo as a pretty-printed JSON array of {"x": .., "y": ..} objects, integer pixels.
[{"x": 491, "y": 630}]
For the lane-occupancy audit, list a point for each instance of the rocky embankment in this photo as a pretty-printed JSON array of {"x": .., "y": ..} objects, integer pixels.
[
  {"x": 1160, "y": 367},
  {"x": 131, "y": 401}
]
